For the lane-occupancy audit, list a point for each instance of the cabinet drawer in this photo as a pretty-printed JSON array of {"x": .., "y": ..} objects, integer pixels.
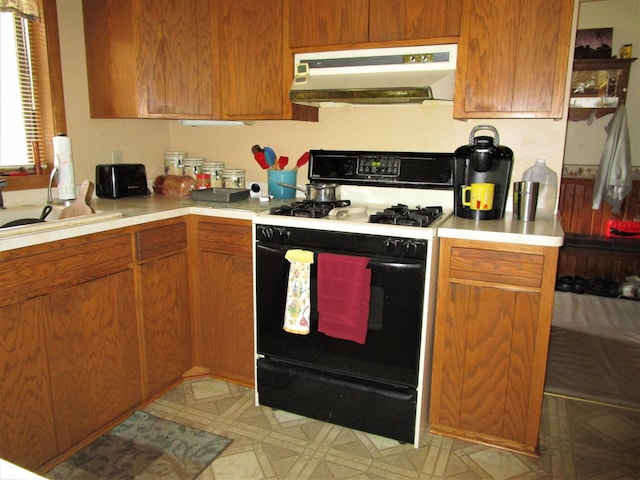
[
  {"x": 67, "y": 262},
  {"x": 160, "y": 241},
  {"x": 490, "y": 266},
  {"x": 225, "y": 238}
]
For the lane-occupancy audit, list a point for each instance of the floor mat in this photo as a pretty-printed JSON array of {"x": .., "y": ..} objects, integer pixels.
[{"x": 144, "y": 447}]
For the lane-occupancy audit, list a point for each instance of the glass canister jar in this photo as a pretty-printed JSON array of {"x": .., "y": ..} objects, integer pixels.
[
  {"x": 192, "y": 166},
  {"x": 173, "y": 162},
  {"x": 214, "y": 169},
  {"x": 233, "y": 178}
]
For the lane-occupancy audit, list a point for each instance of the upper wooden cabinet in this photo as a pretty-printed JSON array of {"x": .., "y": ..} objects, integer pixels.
[
  {"x": 413, "y": 19},
  {"x": 193, "y": 59},
  {"x": 251, "y": 59},
  {"x": 151, "y": 58},
  {"x": 314, "y": 23},
  {"x": 513, "y": 57}
]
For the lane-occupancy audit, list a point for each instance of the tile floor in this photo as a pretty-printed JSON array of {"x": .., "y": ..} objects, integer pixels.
[{"x": 578, "y": 440}]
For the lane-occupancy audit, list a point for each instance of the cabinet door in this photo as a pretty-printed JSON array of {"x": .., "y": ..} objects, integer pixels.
[
  {"x": 321, "y": 23},
  {"x": 27, "y": 434},
  {"x": 93, "y": 351},
  {"x": 176, "y": 57},
  {"x": 413, "y": 19},
  {"x": 252, "y": 59},
  {"x": 225, "y": 300},
  {"x": 164, "y": 286},
  {"x": 493, "y": 317},
  {"x": 151, "y": 58},
  {"x": 513, "y": 58}
]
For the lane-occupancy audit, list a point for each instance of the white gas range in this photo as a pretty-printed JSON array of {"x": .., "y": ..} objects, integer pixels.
[{"x": 379, "y": 385}]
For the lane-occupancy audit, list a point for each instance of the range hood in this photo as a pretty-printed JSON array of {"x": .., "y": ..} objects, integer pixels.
[{"x": 374, "y": 76}]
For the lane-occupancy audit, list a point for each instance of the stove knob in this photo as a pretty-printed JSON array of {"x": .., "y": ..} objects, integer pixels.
[
  {"x": 409, "y": 247},
  {"x": 267, "y": 232},
  {"x": 284, "y": 234},
  {"x": 390, "y": 245}
]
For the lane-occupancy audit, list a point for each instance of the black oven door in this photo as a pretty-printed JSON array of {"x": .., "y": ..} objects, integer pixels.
[{"x": 391, "y": 351}]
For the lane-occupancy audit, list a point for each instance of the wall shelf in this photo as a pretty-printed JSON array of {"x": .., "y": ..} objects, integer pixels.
[{"x": 601, "y": 82}]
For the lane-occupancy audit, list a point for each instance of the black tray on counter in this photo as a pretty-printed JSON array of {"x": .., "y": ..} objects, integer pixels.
[{"x": 225, "y": 195}]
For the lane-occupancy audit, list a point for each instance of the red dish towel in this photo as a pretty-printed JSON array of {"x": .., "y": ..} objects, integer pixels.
[{"x": 344, "y": 290}]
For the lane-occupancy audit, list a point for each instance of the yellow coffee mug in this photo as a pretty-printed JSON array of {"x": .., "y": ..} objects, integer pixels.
[{"x": 478, "y": 196}]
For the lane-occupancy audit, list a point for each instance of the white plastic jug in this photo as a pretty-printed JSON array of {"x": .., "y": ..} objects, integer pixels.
[{"x": 548, "y": 187}]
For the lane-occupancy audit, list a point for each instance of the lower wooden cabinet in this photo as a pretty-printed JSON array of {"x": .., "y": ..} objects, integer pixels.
[
  {"x": 164, "y": 299},
  {"x": 93, "y": 352},
  {"x": 493, "y": 317},
  {"x": 27, "y": 430},
  {"x": 225, "y": 299},
  {"x": 69, "y": 350}
]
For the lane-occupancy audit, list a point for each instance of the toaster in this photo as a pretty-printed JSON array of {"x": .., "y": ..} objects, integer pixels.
[{"x": 121, "y": 180}]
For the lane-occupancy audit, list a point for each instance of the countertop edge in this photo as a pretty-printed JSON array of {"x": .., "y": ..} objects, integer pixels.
[{"x": 546, "y": 232}]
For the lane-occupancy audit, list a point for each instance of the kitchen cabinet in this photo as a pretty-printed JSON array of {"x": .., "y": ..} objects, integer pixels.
[
  {"x": 513, "y": 58},
  {"x": 598, "y": 86},
  {"x": 69, "y": 348},
  {"x": 224, "y": 298},
  {"x": 493, "y": 317},
  {"x": 193, "y": 59},
  {"x": 391, "y": 20},
  {"x": 163, "y": 281},
  {"x": 152, "y": 58},
  {"x": 27, "y": 430},
  {"x": 252, "y": 60},
  {"x": 324, "y": 23},
  {"x": 92, "y": 338}
]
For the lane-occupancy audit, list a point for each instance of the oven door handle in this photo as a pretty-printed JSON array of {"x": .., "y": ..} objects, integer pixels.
[{"x": 411, "y": 265}]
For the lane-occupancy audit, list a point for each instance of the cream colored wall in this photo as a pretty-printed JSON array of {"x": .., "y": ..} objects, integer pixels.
[
  {"x": 401, "y": 128},
  {"x": 421, "y": 128},
  {"x": 586, "y": 142}
]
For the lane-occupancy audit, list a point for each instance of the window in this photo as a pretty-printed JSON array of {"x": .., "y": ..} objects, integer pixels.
[
  {"x": 45, "y": 57},
  {"x": 20, "y": 120}
]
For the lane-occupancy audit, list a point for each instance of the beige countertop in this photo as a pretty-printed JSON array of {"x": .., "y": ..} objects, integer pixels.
[
  {"x": 134, "y": 211},
  {"x": 137, "y": 210},
  {"x": 545, "y": 232}
]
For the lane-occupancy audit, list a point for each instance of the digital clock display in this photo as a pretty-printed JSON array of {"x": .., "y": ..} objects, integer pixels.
[{"x": 379, "y": 166}]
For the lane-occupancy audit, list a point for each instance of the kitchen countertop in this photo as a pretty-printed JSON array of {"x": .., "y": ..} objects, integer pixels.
[
  {"x": 546, "y": 232},
  {"x": 137, "y": 210}
]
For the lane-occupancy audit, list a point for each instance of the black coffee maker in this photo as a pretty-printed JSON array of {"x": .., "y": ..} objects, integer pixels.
[{"x": 484, "y": 160}]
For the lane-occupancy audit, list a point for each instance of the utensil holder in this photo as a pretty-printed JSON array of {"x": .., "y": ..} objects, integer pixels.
[{"x": 282, "y": 176}]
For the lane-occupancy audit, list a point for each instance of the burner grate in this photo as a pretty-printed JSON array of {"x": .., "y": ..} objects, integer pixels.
[
  {"x": 308, "y": 208},
  {"x": 403, "y": 215}
]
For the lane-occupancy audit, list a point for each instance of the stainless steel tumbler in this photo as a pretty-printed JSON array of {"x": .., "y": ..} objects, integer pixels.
[{"x": 525, "y": 199}]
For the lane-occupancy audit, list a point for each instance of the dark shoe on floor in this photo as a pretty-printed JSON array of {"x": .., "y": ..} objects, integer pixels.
[
  {"x": 565, "y": 284},
  {"x": 603, "y": 288}
]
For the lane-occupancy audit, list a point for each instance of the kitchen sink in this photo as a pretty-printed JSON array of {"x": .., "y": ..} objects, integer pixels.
[{"x": 52, "y": 222}]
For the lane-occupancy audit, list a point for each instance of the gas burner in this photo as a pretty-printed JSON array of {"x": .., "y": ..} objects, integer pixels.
[
  {"x": 308, "y": 208},
  {"x": 403, "y": 215}
]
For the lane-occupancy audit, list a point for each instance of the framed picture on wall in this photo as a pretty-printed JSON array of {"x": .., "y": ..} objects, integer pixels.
[{"x": 593, "y": 43}]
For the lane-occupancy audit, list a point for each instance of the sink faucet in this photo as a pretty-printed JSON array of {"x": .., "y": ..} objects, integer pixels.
[
  {"x": 54, "y": 171},
  {"x": 50, "y": 199},
  {"x": 3, "y": 183}
]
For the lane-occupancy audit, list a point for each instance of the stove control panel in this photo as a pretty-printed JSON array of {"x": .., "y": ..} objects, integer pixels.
[
  {"x": 382, "y": 166},
  {"x": 394, "y": 169}
]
